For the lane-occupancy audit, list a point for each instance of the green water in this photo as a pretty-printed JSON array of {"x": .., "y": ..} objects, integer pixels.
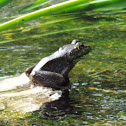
[{"x": 98, "y": 94}]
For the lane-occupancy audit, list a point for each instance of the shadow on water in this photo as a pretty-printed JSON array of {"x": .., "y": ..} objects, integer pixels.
[
  {"x": 85, "y": 105},
  {"x": 56, "y": 109}
]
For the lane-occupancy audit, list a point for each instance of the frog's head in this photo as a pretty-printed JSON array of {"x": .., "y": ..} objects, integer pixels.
[{"x": 75, "y": 50}]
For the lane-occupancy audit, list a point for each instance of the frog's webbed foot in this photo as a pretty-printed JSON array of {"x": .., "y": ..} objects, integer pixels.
[
  {"x": 29, "y": 70},
  {"x": 47, "y": 79}
]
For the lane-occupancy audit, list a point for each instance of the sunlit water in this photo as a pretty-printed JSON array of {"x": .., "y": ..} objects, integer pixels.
[{"x": 97, "y": 95}]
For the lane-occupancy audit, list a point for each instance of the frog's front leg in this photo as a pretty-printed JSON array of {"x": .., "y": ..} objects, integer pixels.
[{"x": 47, "y": 79}]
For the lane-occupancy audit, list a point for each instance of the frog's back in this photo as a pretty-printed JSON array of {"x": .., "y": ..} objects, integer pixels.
[{"x": 55, "y": 65}]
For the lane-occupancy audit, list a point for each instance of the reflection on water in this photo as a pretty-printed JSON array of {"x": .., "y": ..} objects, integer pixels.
[
  {"x": 89, "y": 106},
  {"x": 82, "y": 104},
  {"x": 56, "y": 109}
]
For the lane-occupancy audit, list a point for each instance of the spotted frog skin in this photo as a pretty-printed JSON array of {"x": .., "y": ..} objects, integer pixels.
[{"x": 52, "y": 71}]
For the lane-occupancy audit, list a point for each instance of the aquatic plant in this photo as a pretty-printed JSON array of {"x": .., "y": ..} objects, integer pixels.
[{"x": 71, "y": 6}]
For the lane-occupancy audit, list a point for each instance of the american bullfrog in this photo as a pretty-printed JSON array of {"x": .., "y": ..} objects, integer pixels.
[{"x": 52, "y": 71}]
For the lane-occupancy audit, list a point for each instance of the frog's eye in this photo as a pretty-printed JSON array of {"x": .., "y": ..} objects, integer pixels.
[{"x": 80, "y": 46}]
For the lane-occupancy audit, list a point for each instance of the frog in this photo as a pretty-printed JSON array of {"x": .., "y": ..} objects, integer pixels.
[{"x": 52, "y": 71}]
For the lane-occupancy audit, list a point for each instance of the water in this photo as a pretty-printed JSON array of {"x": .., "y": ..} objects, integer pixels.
[{"x": 98, "y": 81}]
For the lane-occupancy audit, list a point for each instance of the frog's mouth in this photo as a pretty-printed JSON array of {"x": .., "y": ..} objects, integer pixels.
[
  {"x": 83, "y": 53},
  {"x": 78, "y": 53}
]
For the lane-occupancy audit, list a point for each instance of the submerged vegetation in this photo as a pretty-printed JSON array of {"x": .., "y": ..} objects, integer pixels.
[{"x": 97, "y": 95}]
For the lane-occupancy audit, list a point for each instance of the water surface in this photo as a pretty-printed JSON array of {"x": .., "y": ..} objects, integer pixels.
[{"x": 97, "y": 95}]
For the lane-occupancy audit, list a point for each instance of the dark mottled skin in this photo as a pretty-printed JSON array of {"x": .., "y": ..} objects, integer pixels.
[{"x": 52, "y": 71}]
